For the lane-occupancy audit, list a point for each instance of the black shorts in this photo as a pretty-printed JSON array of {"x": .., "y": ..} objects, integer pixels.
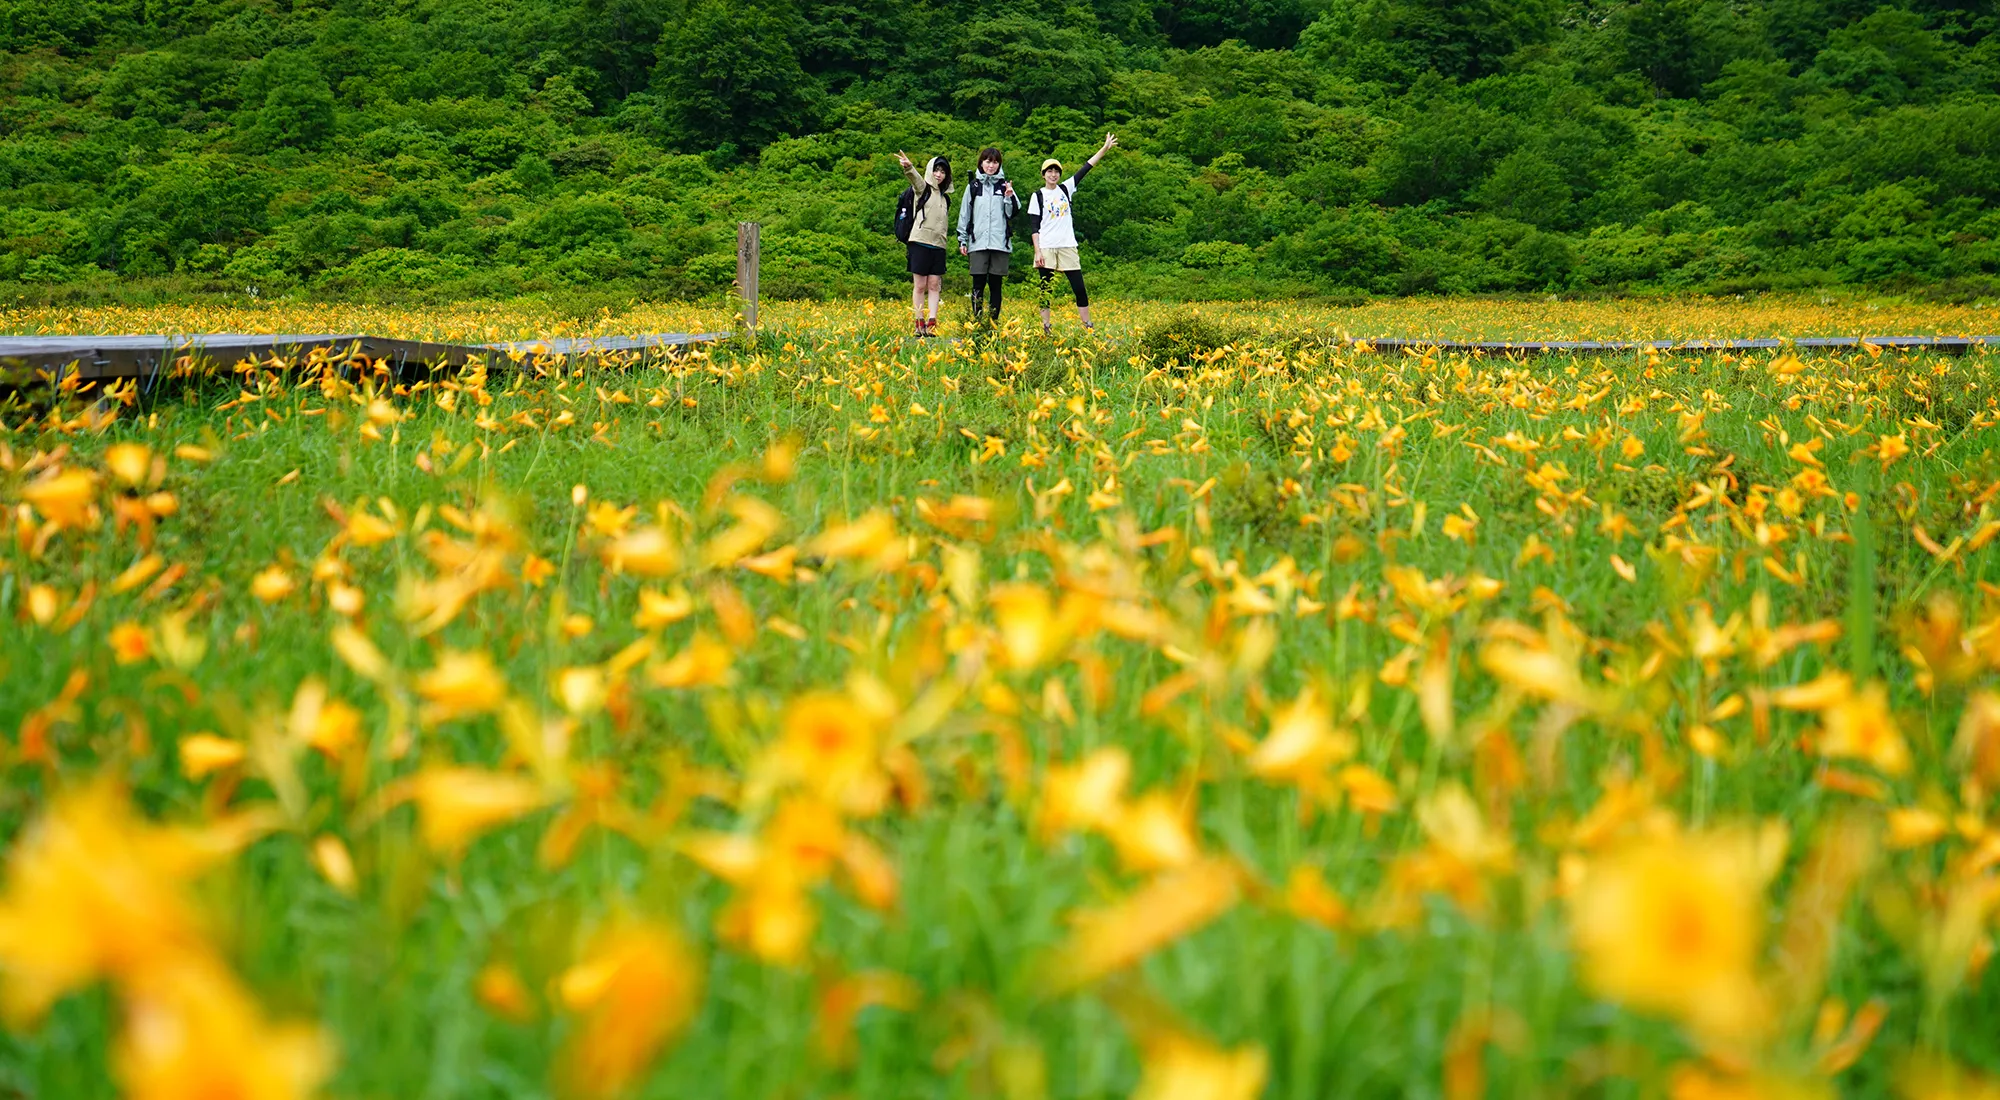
[{"x": 925, "y": 260}]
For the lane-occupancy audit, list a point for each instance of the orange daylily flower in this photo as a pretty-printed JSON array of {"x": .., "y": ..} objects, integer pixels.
[
  {"x": 1672, "y": 925},
  {"x": 191, "y": 1033},
  {"x": 1169, "y": 907},
  {"x": 93, "y": 891},
  {"x": 66, "y": 498},
  {"x": 460, "y": 685},
  {"x": 635, "y": 988},
  {"x": 456, "y": 805}
]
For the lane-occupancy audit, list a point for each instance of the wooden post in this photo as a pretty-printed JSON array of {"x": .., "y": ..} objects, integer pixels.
[{"x": 746, "y": 269}]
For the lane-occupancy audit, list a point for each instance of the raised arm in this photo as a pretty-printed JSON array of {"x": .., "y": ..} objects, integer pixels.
[
  {"x": 910, "y": 172},
  {"x": 1083, "y": 169}
]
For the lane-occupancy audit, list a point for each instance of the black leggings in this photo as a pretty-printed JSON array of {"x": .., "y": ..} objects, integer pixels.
[
  {"x": 990, "y": 284},
  {"x": 1048, "y": 291}
]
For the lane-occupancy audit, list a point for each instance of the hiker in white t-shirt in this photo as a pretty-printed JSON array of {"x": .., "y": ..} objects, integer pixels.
[{"x": 1052, "y": 228}]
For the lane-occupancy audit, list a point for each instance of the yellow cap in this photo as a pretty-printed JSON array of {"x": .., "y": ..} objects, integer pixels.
[{"x": 1051, "y": 163}]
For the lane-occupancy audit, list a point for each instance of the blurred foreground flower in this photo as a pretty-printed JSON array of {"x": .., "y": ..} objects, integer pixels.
[
  {"x": 830, "y": 744},
  {"x": 1672, "y": 925},
  {"x": 128, "y": 462},
  {"x": 1178, "y": 1063},
  {"x": 1187, "y": 1067},
  {"x": 192, "y": 1034},
  {"x": 65, "y": 499},
  {"x": 647, "y": 552},
  {"x": 1085, "y": 795},
  {"x": 499, "y": 987},
  {"x": 95, "y": 892},
  {"x": 1171, "y": 906},
  {"x": 871, "y": 542},
  {"x": 1856, "y": 724},
  {"x": 635, "y": 989},
  {"x": 271, "y": 584},
  {"x": 462, "y": 684},
  {"x": 455, "y": 805}
]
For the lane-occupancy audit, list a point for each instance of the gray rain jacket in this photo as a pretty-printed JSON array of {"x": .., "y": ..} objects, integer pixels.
[{"x": 982, "y": 220}]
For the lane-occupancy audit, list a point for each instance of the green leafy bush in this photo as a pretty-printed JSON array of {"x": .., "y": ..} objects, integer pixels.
[
  {"x": 399, "y": 267},
  {"x": 1183, "y": 335}
]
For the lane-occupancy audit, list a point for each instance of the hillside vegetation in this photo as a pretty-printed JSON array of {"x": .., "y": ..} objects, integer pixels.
[{"x": 1277, "y": 148}]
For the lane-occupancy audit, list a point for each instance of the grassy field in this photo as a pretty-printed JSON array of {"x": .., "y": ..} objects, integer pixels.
[
  {"x": 1192, "y": 712},
  {"x": 1830, "y": 314}
]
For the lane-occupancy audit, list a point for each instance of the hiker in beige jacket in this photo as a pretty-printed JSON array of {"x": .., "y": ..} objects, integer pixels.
[{"x": 930, "y": 228}]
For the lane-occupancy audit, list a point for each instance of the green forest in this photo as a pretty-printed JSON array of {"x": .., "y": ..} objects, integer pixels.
[{"x": 1268, "y": 148}]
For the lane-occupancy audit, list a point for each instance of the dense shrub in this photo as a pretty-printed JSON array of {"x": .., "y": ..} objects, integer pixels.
[{"x": 1351, "y": 146}]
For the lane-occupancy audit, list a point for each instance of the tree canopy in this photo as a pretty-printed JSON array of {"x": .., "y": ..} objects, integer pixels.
[{"x": 1269, "y": 146}]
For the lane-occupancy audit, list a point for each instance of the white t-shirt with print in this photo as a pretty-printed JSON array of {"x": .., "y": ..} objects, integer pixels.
[{"x": 1058, "y": 228}]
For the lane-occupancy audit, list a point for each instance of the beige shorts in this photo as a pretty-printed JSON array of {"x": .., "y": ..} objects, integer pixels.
[{"x": 1060, "y": 259}]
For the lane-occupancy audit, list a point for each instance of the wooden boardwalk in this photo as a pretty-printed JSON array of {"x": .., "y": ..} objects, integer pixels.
[
  {"x": 146, "y": 357},
  {"x": 108, "y": 358},
  {"x": 1950, "y": 345}
]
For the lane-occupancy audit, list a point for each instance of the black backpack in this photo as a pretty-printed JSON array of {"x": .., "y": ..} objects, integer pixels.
[{"x": 907, "y": 205}]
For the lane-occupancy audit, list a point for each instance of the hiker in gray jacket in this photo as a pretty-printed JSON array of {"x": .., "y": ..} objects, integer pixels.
[{"x": 982, "y": 228}]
